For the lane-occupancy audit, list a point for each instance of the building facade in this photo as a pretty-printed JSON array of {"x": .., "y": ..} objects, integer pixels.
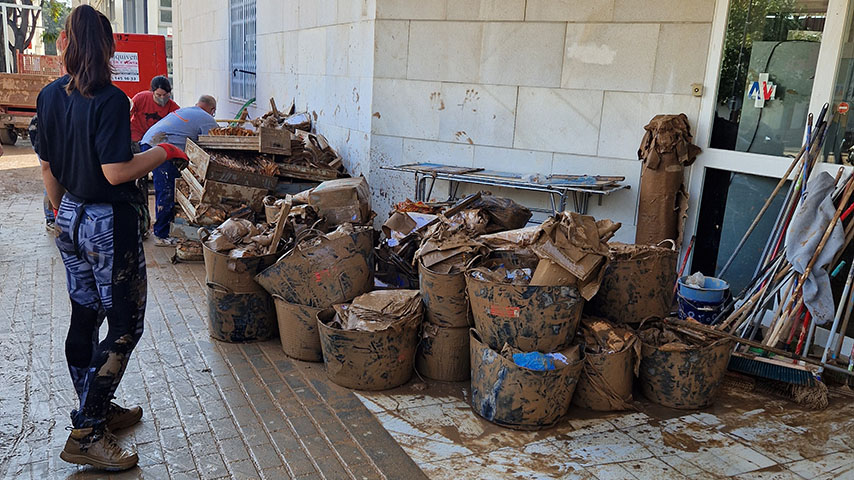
[{"x": 533, "y": 86}]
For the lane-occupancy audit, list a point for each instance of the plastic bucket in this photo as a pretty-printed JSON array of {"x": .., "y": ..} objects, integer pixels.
[
  {"x": 606, "y": 381},
  {"x": 516, "y": 397},
  {"x": 703, "y": 312},
  {"x": 368, "y": 360},
  {"x": 240, "y": 317},
  {"x": 685, "y": 379},
  {"x": 713, "y": 290},
  {"x": 298, "y": 330}
]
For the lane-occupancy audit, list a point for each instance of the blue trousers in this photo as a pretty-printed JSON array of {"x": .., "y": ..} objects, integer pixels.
[
  {"x": 164, "y": 195},
  {"x": 101, "y": 247}
]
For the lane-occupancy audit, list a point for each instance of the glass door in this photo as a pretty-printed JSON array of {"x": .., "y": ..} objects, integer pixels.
[{"x": 772, "y": 62}]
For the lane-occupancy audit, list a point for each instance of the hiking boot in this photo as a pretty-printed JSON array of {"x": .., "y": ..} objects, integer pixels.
[
  {"x": 101, "y": 450},
  {"x": 119, "y": 417}
]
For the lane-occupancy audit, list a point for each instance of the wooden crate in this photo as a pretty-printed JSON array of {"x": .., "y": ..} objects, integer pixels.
[
  {"x": 205, "y": 169},
  {"x": 302, "y": 172},
  {"x": 268, "y": 140},
  {"x": 185, "y": 203},
  {"x": 213, "y": 192}
]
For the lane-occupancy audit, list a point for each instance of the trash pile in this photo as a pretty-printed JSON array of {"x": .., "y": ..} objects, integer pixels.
[
  {"x": 240, "y": 238},
  {"x": 234, "y": 168},
  {"x": 537, "y": 318}
]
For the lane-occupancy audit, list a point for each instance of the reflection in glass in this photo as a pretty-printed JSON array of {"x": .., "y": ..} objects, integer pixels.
[
  {"x": 839, "y": 146},
  {"x": 767, "y": 74}
]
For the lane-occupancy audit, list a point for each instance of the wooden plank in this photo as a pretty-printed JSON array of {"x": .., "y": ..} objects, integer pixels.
[
  {"x": 192, "y": 182},
  {"x": 199, "y": 159},
  {"x": 280, "y": 227},
  {"x": 221, "y": 173},
  {"x": 215, "y": 193},
  {"x": 230, "y": 142},
  {"x": 185, "y": 203},
  {"x": 21, "y": 90}
]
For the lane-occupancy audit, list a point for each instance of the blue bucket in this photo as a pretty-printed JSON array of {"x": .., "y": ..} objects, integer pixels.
[
  {"x": 703, "y": 312},
  {"x": 703, "y": 304},
  {"x": 713, "y": 290}
]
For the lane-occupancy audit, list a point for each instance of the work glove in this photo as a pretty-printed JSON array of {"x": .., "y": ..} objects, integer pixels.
[{"x": 175, "y": 155}]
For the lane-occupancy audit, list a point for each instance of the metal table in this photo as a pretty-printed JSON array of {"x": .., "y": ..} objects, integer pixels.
[{"x": 581, "y": 187}]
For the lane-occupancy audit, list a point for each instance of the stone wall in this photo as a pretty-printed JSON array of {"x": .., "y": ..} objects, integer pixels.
[
  {"x": 528, "y": 86},
  {"x": 536, "y": 86}
]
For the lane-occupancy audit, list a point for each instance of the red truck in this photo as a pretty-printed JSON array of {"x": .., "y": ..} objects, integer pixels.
[{"x": 137, "y": 60}]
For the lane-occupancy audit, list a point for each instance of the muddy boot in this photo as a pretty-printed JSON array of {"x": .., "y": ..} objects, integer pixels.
[
  {"x": 85, "y": 446},
  {"x": 119, "y": 417}
]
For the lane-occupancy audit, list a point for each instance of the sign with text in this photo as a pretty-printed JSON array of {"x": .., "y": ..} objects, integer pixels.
[{"x": 125, "y": 67}]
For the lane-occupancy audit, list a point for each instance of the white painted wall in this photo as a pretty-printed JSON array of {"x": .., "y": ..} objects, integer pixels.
[{"x": 545, "y": 86}]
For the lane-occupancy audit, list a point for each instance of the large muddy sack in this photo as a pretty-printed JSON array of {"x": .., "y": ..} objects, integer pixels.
[
  {"x": 517, "y": 397},
  {"x": 323, "y": 270},
  {"x": 526, "y": 317},
  {"x": 240, "y": 317},
  {"x": 371, "y": 355},
  {"x": 677, "y": 372},
  {"x": 443, "y": 353},
  {"x": 236, "y": 274},
  {"x": 666, "y": 149},
  {"x": 298, "y": 330},
  {"x": 611, "y": 361},
  {"x": 638, "y": 284},
  {"x": 444, "y": 297}
]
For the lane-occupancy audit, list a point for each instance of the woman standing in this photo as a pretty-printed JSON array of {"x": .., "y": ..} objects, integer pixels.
[{"x": 89, "y": 170}]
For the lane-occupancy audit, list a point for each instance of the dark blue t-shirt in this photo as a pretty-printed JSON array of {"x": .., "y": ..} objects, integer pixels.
[{"x": 77, "y": 135}]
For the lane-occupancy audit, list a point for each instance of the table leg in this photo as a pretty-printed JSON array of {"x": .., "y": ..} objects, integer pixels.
[
  {"x": 419, "y": 188},
  {"x": 430, "y": 191},
  {"x": 453, "y": 189}
]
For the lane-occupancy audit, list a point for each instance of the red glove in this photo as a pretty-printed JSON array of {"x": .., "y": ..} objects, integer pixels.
[
  {"x": 55, "y": 213},
  {"x": 175, "y": 155}
]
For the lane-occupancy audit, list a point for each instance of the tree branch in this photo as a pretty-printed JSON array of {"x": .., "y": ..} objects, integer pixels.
[{"x": 35, "y": 14}]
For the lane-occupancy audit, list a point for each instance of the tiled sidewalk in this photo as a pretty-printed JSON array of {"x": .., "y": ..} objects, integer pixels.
[{"x": 212, "y": 410}]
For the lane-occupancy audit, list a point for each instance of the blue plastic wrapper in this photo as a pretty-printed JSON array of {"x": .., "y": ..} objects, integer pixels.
[{"x": 538, "y": 361}]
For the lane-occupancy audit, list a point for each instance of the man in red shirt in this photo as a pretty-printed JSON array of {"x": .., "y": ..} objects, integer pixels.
[{"x": 151, "y": 106}]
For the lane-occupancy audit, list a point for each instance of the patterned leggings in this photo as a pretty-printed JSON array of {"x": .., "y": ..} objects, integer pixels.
[{"x": 101, "y": 247}]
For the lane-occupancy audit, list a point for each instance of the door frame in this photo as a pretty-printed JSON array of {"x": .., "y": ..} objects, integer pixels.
[{"x": 832, "y": 41}]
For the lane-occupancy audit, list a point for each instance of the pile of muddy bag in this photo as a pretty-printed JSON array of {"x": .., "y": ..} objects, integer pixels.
[{"x": 537, "y": 318}]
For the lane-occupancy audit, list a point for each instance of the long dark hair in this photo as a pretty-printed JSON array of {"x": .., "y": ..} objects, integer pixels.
[{"x": 90, "y": 47}]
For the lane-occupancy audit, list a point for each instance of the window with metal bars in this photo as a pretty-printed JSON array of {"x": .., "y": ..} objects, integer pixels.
[{"x": 242, "y": 49}]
